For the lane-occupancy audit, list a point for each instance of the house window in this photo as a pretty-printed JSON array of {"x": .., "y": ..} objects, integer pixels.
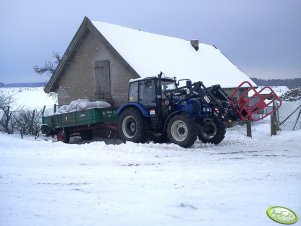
[{"x": 102, "y": 79}]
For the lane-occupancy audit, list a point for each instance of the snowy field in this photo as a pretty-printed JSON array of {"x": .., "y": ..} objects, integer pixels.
[
  {"x": 43, "y": 182},
  {"x": 29, "y": 97}
]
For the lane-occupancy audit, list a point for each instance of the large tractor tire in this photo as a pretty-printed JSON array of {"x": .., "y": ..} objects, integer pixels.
[
  {"x": 63, "y": 136},
  {"x": 132, "y": 126},
  {"x": 212, "y": 132},
  {"x": 182, "y": 130}
]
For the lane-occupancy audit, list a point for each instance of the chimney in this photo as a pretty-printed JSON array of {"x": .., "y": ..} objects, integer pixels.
[{"x": 195, "y": 44}]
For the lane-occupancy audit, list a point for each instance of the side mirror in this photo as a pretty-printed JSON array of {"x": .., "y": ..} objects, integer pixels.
[
  {"x": 188, "y": 84},
  {"x": 187, "y": 80}
]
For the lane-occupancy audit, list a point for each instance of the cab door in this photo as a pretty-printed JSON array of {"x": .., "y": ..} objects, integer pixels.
[{"x": 147, "y": 94}]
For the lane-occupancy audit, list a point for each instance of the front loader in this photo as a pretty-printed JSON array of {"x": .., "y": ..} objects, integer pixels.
[{"x": 158, "y": 109}]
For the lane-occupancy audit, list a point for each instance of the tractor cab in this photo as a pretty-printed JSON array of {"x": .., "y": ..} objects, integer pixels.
[{"x": 150, "y": 93}]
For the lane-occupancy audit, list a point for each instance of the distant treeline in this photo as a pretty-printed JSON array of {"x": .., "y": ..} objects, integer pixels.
[
  {"x": 28, "y": 84},
  {"x": 290, "y": 83}
]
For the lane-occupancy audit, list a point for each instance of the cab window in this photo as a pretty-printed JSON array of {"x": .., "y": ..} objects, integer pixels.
[
  {"x": 133, "y": 92},
  {"x": 147, "y": 93}
]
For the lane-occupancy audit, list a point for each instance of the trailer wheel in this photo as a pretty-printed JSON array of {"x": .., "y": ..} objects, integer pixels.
[
  {"x": 46, "y": 130},
  {"x": 86, "y": 135},
  {"x": 63, "y": 136},
  {"x": 212, "y": 132},
  {"x": 182, "y": 130},
  {"x": 132, "y": 126}
]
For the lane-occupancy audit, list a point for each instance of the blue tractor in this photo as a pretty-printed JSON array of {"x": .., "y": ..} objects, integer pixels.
[{"x": 159, "y": 110}]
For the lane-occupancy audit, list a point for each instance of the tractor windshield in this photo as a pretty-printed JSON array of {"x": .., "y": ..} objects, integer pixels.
[{"x": 168, "y": 85}]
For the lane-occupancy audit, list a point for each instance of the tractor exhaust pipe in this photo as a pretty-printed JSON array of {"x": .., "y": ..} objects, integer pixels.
[{"x": 159, "y": 95}]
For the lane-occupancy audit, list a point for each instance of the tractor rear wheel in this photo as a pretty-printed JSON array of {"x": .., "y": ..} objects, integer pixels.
[
  {"x": 132, "y": 126},
  {"x": 213, "y": 131},
  {"x": 182, "y": 130}
]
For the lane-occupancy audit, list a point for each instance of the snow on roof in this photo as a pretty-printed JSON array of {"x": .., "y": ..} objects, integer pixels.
[{"x": 149, "y": 53}]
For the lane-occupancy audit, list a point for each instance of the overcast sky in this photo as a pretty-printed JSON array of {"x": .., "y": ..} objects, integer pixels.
[{"x": 262, "y": 37}]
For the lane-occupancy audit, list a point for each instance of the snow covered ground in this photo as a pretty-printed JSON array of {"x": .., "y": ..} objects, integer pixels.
[
  {"x": 43, "y": 182},
  {"x": 29, "y": 97}
]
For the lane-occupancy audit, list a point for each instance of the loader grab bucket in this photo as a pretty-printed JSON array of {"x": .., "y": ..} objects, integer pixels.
[{"x": 252, "y": 102}]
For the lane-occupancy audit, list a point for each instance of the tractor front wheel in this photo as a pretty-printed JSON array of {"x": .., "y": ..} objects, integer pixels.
[
  {"x": 182, "y": 130},
  {"x": 212, "y": 132},
  {"x": 132, "y": 126}
]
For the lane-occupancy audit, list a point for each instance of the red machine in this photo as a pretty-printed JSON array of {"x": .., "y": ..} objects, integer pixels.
[{"x": 252, "y": 102}]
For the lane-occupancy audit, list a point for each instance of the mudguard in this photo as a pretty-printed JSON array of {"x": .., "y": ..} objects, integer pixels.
[{"x": 137, "y": 105}]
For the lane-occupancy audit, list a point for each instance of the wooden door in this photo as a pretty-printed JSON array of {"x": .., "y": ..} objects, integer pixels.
[{"x": 102, "y": 79}]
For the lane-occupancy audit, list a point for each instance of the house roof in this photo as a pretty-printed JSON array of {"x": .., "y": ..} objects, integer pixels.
[{"x": 148, "y": 54}]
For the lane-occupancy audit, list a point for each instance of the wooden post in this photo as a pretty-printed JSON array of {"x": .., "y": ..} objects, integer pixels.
[
  {"x": 8, "y": 117},
  {"x": 43, "y": 111},
  {"x": 31, "y": 122},
  {"x": 249, "y": 129},
  {"x": 274, "y": 126},
  {"x": 54, "y": 108}
]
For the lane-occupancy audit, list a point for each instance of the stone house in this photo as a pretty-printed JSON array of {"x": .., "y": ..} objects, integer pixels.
[{"x": 102, "y": 58}]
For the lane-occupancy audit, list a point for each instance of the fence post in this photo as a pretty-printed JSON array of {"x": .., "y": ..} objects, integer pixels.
[
  {"x": 31, "y": 122},
  {"x": 21, "y": 133},
  {"x": 43, "y": 111},
  {"x": 249, "y": 129},
  {"x": 274, "y": 124},
  {"x": 8, "y": 117},
  {"x": 277, "y": 118}
]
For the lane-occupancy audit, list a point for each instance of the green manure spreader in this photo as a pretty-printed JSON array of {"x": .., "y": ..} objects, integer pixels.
[{"x": 79, "y": 123}]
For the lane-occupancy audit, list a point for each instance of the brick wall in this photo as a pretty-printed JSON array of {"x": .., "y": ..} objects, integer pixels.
[{"x": 78, "y": 81}]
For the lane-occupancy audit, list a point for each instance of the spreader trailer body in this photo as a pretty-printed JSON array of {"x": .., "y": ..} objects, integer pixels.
[{"x": 79, "y": 123}]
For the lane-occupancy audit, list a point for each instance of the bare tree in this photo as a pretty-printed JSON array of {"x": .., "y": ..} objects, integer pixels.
[
  {"x": 49, "y": 66},
  {"x": 5, "y": 109},
  {"x": 28, "y": 122}
]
